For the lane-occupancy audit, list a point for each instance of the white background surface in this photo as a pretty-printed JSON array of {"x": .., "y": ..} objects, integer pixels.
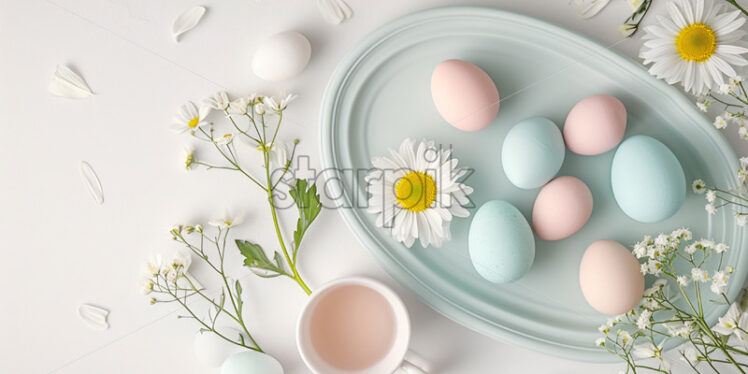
[{"x": 59, "y": 249}]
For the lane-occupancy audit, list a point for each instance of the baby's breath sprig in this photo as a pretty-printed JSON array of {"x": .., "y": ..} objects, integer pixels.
[
  {"x": 639, "y": 10},
  {"x": 256, "y": 120},
  {"x": 735, "y": 199},
  {"x": 732, "y": 100},
  {"x": 170, "y": 282},
  {"x": 673, "y": 308}
]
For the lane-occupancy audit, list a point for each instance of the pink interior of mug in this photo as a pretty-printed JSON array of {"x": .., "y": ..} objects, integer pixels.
[{"x": 353, "y": 326}]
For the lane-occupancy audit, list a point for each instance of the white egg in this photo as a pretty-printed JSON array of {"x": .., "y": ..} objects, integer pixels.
[
  {"x": 281, "y": 56},
  {"x": 211, "y": 350}
]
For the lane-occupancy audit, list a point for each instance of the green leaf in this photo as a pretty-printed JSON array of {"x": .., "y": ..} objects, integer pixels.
[
  {"x": 255, "y": 257},
  {"x": 239, "y": 301},
  {"x": 307, "y": 201}
]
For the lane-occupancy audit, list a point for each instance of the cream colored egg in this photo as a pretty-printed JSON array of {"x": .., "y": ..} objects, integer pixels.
[
  {"x": 282, "y": 56},
  {"x": 610, "y": 277}
]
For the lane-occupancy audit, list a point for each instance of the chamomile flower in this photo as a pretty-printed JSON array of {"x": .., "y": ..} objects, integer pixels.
[
  {"x": 227, "y": 220},
  {"x": 698, "y": 45},
  {"x": 190, "y": 117},
  {"x": 720, "y": 122},
  {"x": 152, "y": 266},
  {"x": 644, "y": 320},
  {"x": 711, "y": 196},
  {"x": 219, "y": 101},
  {"x": 710, "y": 209},
  {"x": 239, "y": 106},
  {"x": 729, "y": 322},
  {"x": 699, "y": 275},
  {"x": 225, "y": 139},
  {"x": 416, "y": 193},
  {"x": 698, "y": 186},
  {"x": 682, "y": 280},
  {"x": 278, "y": 103},
  {"x": 649, "y": 350}
]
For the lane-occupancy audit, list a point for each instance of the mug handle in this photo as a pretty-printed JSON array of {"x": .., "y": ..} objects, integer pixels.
[{"x": 412, "y": 364}]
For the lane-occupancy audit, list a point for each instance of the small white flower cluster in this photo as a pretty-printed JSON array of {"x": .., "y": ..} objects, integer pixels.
[
  {"x": 734, "y": 112},
  {"x": 737, "y": 199},
  {"x": 656, "y": 250},
  {"x": 157, "y": 269}
]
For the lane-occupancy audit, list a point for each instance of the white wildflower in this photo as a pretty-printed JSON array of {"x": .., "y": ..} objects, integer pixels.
[
  {"x": 682, "y": 280},
  {"x": 643, "y": 322},
  {"x": 729, "y": 322},
  {"x": 703, "y": 105},
  {"x": 711, "y": 196},
  {"x": 699, "y": 275},
  {"x": 219, "y": 101},
  {"x": 698, "y": 186},
  {"x": 741, "y": 219},
  {"x": 227, "y": 220},
  {"x": 710, "y": 209},
  {"x": 720, "y": 122},
  {"x": 720, "y": 248}
]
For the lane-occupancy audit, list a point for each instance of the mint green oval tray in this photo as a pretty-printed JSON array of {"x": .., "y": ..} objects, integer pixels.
[{"x": 380, "y": 94}]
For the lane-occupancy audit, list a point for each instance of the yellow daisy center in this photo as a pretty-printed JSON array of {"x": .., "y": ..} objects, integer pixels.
[
  {"x": 696, "y": 42},
  {"x": 415, "y": 191},
  {"x": 193, "y": 122}
]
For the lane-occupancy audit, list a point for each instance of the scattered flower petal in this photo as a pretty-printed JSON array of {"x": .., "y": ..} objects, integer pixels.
[
  {"x": 187, "y": 21},
  {"x": 67, "y": 83},
  {"x": 92, "y": 182}
]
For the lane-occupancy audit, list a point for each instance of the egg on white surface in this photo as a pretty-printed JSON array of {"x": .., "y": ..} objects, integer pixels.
[
  {"x": 211, "y": 350},
  {"x": 610, "y": 277},
  {"x": 464, "y": 95},
  {"x": 533, "y": 152},
  {"x": 500, "y": 242},
  {"x": 251, "y": 362},
  {"x": 647, "y": 179},
  {"x": 595, "y": 125},
  {"x": 282, "y": 56}
]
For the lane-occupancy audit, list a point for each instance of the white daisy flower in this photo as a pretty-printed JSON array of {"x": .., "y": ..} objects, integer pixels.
[
  {"x": 711, "y": 196},
  {"x": 703, "y": 105},
  {"x": 643, "y": 322},
  {"x": 698, "y": 45},
  {"x": 152, "y": 266},
  {"x": 698, "y": 186},
  {"x": 699, "y": 275},
  {"x": 729, "y": 322},
  {"x": 682, "y": 280},
  {"x": 691, "y": 356},
  {"x": 710, "y": 209},
  {"x": 278, "y": 103},
  {"x": 239, "y": 106},
  {"x": 225, "y": 139},
  {"x": 416, "y": 192},
  {"x": 227, "y": 220},
  {"x": 743, "y": 132},
  {"x": 219, "y": 101},
  {"x": 720, "y": 122},
  {"x": 719, "y": 282},
  {"x": 190, "y": 117}
]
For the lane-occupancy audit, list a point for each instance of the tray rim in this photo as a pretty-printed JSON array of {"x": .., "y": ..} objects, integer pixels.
[{"x": 405, "y": 276}]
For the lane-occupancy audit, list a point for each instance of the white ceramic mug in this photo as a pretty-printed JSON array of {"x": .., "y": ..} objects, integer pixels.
[{"x": 396, "y": 358}]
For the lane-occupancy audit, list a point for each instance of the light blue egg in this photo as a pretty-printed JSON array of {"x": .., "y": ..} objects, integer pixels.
[
  {"x": 251, "y": 362},
  {"x": 647, "y": 179},
  {"x": 533, "y": 152},
  {"x": 500, "y": 242}
]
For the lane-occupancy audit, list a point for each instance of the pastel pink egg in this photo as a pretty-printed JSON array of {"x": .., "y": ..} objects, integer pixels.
[
  {"x": 562, "y": 207},
  {"x": 610, "y": 277},
  {"x": 464, "y": 95},
  {"x": 595, "y": 125}
]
